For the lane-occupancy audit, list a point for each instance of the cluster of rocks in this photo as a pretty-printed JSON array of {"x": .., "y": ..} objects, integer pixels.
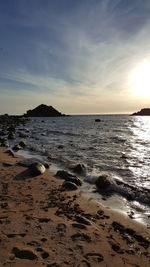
[
  {"x": 71, "y": 182},
  {"x": 8, "y": 126}
]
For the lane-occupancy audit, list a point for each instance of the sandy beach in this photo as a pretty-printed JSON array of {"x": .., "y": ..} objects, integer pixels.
[{"x": 43, "y": 225}]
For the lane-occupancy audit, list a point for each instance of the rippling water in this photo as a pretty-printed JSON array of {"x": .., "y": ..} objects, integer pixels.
[{"x": 117, "y": 144}]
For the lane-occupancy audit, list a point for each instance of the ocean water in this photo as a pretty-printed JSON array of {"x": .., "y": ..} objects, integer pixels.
[{"x": 118, "y": 145}]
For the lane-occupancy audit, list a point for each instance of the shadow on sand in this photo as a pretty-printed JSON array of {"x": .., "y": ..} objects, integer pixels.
[{"x": 27, "y": 174}]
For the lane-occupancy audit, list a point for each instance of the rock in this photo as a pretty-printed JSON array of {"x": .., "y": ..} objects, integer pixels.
[
  {"x": 22, "y": 144},
  {"x": 83, "y": 220},
  {"x": 37, "y": 168},
  {"x": 97, "y": 120},
  {"x": 24, "y": 254},
  {"x": 17, "y": 148},
  {"x": 68, "y": 177},
  {"x": 69, "y": 186},
  {"x": 142, "y": 112},
  {"x": 75, "y": 180},
  {"x": 79, "y": 168},
  {"x": 60, "y": 147},
  {"x": 105, "y": 184},
  {"x": 43, "y": 111},
  {"x": 123, "y": 156}
]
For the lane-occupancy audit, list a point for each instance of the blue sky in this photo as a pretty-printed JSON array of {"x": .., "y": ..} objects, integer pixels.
[{"x": 77, "y": 55}]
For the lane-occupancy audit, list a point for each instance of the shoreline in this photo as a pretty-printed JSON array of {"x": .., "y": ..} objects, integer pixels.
[
  {"x": 62, "y": 228},
  {"x": 114, "y": 202}
]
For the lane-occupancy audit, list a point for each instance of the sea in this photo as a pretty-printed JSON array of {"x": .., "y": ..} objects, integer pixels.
[{"x": 116, "y": 145}]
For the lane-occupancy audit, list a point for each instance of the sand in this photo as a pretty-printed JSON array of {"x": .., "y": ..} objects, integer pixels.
[{"x": 41, "y": 225}]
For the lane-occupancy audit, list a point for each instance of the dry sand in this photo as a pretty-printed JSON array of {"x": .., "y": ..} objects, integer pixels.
[{"x": 41, "y": 225}]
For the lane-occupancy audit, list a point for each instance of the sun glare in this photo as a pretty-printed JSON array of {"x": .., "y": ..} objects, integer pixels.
[{"x": 141, "y": 80}]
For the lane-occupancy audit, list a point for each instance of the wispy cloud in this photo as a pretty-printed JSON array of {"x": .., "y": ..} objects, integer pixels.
[{"x": 73, "y": 49}]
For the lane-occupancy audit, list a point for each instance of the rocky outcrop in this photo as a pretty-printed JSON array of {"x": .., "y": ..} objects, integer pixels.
[
  {"x": 43, "y": 111},
  {"x": 142, "y": 112}
]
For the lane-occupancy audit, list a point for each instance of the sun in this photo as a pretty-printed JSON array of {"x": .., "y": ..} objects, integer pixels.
[{"x": 140, "y": 80}]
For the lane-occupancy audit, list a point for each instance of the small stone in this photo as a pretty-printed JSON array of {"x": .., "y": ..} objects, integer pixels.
[
  {"x": 79, "y": 168},
  {"x": 37, "y": 168},
  {"x": 22, "y": 144},
  {"x": 69, "y": 186}
]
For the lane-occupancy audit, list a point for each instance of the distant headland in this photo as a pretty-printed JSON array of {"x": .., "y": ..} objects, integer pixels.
[
  {"x": 43, "y": 111},
  {"x": 142, "y": 112}
]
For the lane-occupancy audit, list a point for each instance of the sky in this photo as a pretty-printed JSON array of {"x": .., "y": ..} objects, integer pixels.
[{"x": 80, "y": 56}]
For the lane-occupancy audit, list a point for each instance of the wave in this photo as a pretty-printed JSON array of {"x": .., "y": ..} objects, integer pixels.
[{"x": 106, "y": 185}]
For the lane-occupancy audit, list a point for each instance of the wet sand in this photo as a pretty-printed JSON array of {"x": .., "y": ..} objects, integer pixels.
[{"x": 41, "y": 225}]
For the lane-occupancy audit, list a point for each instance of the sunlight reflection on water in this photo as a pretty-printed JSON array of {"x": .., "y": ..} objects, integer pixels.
[{"x": 140, "y": 152}]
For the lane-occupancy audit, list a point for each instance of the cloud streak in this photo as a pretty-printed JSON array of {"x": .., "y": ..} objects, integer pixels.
[{"x": 75, "y": 49}]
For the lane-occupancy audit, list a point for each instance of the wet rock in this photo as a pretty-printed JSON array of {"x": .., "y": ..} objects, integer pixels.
[
  {"x": 105, "y": 184},
  {"x": 37, "y": 168},
  {"x": 17, "y": 148},
  {"x": 46, "y": 165},
  {"x": 24, "y": 254},
  {"x": 79, "y": 168},
  {"x": 69, "y": 186},
  {"x": 22, "y": 144},
  {"x": 68, "y": 177},
  {"x": 124, "y": 156}
]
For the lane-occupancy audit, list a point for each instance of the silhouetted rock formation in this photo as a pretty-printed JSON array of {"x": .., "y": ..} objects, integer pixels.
[
  {"x": 142, "y": 112},
  {"x": 43, "y": 111}
]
